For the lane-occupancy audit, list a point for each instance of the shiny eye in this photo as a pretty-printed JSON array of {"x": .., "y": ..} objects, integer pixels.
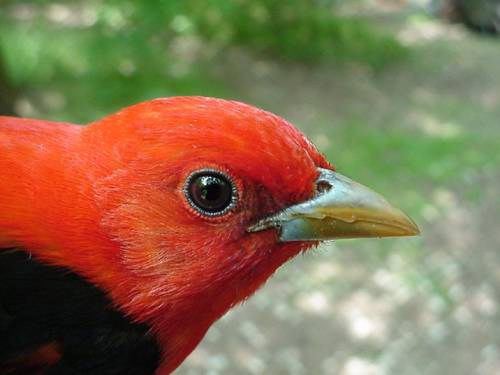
[{"x": 210, "y": 192}]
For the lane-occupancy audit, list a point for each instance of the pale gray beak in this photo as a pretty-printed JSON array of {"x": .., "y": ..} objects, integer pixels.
[{"x": 342, "y": 208}]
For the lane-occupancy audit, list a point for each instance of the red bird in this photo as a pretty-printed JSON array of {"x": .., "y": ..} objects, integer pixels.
[{"x": 124, "y": 240}]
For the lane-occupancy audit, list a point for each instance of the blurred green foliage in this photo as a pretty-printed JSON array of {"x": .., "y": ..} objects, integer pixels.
[
  {"x": 104, "y": 55},
  {"x": 297, "y": 30}
]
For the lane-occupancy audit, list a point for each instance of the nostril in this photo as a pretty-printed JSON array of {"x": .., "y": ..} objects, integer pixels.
[{"x": 323, "y": 186}]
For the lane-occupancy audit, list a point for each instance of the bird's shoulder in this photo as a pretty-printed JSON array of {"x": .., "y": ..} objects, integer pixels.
[{"x": 52, "y": 321}]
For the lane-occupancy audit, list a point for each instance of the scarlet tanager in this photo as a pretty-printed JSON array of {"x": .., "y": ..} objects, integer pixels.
[{"x": 122, "y": 241}]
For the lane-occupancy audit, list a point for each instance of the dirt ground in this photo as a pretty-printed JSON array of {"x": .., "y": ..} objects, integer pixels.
[{"x": 425, "y": 132}]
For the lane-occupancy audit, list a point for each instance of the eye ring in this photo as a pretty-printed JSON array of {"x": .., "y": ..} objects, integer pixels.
[{"x": 210, "y": 192}]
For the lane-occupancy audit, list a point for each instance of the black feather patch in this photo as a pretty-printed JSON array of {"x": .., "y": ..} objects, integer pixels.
[{"x": 54, "y": 322}]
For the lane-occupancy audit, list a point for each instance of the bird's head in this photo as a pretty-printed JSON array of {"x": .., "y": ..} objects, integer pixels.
[{"x": 205, "y": 198}]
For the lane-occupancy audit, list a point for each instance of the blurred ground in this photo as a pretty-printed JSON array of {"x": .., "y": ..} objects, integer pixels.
[
  {"x": 427, "y": 133},
  {"x": 423, "y": 129}
]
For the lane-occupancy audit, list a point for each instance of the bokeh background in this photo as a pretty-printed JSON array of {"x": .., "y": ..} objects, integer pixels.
[{"x": 403, "y": 96}]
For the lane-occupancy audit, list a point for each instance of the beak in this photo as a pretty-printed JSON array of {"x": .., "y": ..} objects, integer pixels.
[{"x": 342, "y": 208}]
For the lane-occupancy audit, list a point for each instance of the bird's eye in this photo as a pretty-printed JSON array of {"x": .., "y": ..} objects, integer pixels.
[{"x": 210, "y": 192}]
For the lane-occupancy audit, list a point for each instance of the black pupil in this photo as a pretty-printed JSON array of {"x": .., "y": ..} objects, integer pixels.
[{"x": 210, "y": 192}]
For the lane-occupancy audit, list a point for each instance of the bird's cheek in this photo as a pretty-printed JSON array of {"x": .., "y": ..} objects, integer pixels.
[
  {"x": 269, "y": 251},
  {"x": 255, "y": 259}
]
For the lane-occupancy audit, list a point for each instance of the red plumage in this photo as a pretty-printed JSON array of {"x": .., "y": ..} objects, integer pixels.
[
  {"x": 123, "y": 223},
  {"x": 106, "y": 201}
]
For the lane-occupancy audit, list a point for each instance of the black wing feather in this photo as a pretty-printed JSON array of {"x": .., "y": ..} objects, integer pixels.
[{"x": 42, "y": 304}]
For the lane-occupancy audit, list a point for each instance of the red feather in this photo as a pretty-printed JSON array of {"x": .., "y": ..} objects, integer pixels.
[{"x": 106, "y": 201}]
